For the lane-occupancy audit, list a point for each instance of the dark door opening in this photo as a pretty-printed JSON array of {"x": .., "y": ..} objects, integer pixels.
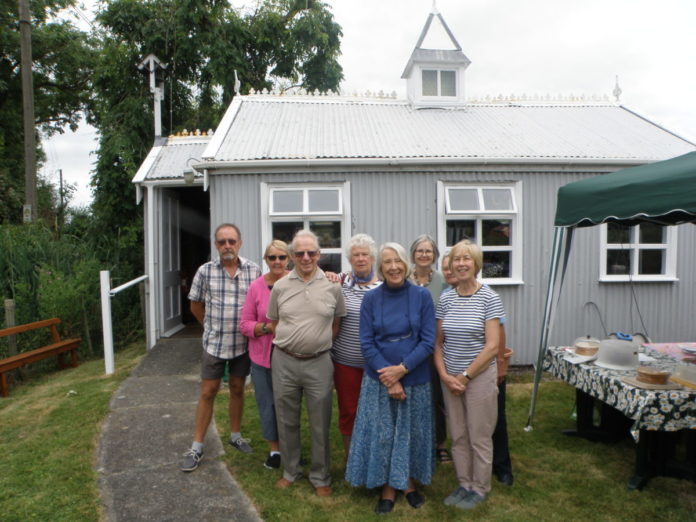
[{"x": 194, "y": 238}]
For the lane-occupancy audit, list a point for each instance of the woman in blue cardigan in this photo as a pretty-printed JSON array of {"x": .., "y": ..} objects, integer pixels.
[{"x": 393, "y": 433}]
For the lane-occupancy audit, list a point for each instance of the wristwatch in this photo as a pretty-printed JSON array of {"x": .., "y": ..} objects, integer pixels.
[
  {"x": 468, "y": 377},
  {"x": 265, "y": 329}
]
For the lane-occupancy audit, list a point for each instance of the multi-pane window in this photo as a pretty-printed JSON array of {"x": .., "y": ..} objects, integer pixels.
[
  {"x": 320, "y": 209},
  {"x": 439, "y": 83},
  {"x": 642, "y": 252},
  {"x": 489, "y": 216}
]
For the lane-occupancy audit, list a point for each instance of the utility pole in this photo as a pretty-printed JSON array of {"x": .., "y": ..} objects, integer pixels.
[
  {"x": 30, "y": 200},
  {"x": 61, "y": 209}
]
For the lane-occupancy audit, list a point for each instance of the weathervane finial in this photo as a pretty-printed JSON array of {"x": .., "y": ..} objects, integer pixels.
[{"x": 617, "y": 90}]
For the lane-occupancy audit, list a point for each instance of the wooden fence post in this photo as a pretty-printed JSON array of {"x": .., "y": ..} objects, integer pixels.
[{"x": 9, "y": 323}]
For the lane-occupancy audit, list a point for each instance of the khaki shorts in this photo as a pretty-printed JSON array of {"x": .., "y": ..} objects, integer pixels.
[{"x": 213, "y": 368}]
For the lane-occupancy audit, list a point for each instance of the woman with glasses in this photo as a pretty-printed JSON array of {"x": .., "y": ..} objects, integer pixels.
[
  {"x": 346, "y": 354},
  {"x": 392, "y": 441},
  {"x": 424, "y": 256},
  {"x": 258, "y": 329}
]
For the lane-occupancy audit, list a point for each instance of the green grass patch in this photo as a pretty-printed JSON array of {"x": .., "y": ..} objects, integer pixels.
[
  {"x": 556, "y": 477},
  {"x": 49, "y": 428}
]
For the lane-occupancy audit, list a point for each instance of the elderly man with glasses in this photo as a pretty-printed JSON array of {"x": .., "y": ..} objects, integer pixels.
[
  {"x": 305, "y": 310},
  {"x": 217, "y": 296}
]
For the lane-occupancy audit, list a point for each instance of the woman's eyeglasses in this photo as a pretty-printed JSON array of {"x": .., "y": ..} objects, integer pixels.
[{"x": 273, "y": 258}]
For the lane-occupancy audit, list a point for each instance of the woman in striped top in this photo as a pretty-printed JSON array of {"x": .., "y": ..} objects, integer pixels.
[
  {"x": 468, "y": 330},
  {"x": 346, "y": 354}
]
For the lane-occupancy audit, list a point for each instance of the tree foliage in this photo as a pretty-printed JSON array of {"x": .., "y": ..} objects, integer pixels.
[
  {"x": 203, "y": 43},
  {"x": 62, "y": 62}
]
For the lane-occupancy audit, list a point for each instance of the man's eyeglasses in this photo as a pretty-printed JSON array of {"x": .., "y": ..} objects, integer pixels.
[
  {"x": 222, "y": 242},
  {"x": 273, "y": 258},
  {"x": 310, "y": 253}
]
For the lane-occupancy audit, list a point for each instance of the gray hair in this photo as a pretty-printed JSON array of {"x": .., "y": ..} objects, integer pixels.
[
  {"x": 303, "y": 233},
  {"x": 420, "y": 239},
  {"x": 362, "y": 241},
  {"x": 227, "y": 225},
  {"x": 400, "y": 252}
]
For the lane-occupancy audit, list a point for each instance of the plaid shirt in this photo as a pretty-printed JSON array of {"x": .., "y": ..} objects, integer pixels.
[{"x": 224, "y": 298}]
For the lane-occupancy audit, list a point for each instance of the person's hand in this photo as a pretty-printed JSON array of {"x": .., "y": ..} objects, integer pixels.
[
  {"x": 390, "y": 375},
  {"x": 333, "y": 277},
  {"x": 396, "y": 391},
  {"x": 454, "y": 385}
]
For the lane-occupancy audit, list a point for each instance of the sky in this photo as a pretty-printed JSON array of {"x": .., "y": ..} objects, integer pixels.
[{"x": 535, "y": 47}]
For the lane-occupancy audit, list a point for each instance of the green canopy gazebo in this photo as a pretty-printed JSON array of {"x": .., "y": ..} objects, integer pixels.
[{"x": 663, "y": 193}]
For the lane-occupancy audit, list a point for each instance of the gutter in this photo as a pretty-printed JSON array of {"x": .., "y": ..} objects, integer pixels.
[{"x": 398, "y": 162}]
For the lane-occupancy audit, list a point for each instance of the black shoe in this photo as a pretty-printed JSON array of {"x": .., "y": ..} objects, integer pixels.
[
  {"x": 384, "y": 506},
  {"x": 505, "y": 478},
  {"x": 415, "y": 499},
  {"x": 272, "y": 462}
]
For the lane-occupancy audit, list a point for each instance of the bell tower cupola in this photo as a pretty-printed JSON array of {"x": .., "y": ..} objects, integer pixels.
[{"x": 435, "y": 75}]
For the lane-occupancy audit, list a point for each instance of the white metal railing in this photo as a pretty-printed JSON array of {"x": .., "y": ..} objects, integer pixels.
[{"x": 106, "y": 294}]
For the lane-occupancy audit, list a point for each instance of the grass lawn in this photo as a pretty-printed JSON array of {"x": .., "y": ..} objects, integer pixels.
[
  {"x": 556, "y": 477},
  {"x": 49, "y": 428}
]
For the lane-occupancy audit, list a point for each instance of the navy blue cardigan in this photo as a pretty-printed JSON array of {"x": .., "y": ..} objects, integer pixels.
[{"x": 398, "y": 325}]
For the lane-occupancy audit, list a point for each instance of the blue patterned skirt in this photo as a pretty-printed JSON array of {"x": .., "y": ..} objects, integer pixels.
[{"x": 392, "y": 440}]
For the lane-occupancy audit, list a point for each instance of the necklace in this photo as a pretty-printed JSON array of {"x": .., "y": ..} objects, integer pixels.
[{"x": 414, "y": 278}]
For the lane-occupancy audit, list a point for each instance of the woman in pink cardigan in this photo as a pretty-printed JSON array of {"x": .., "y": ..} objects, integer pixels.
[{"x": 257, "y": 328}]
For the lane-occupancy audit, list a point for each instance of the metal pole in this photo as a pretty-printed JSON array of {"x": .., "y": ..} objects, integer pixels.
[
  {"x": 106, "y": 322},
  {"x": 30, "y": 200},
  {"x": 62, "y": 204}
]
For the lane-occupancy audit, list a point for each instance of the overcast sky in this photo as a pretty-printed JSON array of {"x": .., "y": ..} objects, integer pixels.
[{"x": 533, "y": 47}]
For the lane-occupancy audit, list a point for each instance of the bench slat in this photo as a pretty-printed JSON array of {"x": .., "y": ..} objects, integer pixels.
[
  {"x": 29, "y": 326},
  {"x": 45, "y": 352}
]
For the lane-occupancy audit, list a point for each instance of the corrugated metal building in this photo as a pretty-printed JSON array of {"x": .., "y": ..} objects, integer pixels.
[{"x": 432, "y": 164}]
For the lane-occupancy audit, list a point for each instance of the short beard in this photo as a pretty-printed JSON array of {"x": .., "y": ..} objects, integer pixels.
[{"x": 228, "y": 257}]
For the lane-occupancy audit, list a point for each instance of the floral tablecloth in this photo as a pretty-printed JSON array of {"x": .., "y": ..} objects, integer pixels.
[{"x": 664, "y": 410}]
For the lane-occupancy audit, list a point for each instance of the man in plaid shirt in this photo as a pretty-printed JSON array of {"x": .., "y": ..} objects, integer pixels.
[{"x": 217, "y": 296}]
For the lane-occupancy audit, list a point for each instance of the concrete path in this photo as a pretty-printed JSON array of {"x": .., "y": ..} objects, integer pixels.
[{"x": 142, "y": 441}]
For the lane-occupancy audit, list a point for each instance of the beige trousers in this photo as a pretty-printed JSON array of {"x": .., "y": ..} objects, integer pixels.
[{"x": 471, "y": 419}]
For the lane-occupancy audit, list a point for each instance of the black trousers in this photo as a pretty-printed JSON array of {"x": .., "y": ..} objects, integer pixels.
[{"x": 501, "y": 451}]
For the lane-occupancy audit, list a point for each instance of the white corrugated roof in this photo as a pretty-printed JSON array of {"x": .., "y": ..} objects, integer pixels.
[
  {"x": 169, "y": 159},
  {"x": 264, "y": 127}
]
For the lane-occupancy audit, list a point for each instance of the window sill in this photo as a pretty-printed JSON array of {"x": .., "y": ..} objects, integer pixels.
[
  {"x": 502, "y": 281},
  {"x": 638, "y": 279}
]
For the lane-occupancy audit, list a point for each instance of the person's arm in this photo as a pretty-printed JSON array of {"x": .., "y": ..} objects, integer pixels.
[
  {"x": 500, "y": 357},
  {"x": 198, "y": 311},
  {"x": 248, "y": 323},
  {"x": 489, "y": 351},
  {"x": 452, "y": 383},
  {"x": 371, "y": 353},
  {"x": 336, "y": 327}
]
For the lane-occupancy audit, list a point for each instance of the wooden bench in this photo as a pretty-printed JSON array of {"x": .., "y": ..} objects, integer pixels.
[{"x": 57, "y": 348}]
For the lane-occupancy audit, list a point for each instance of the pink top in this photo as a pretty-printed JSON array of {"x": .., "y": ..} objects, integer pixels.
[{"x": 253, "y": 312}]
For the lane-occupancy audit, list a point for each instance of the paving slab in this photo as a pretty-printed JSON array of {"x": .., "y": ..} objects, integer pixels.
[{"x": 143, "y": 439}]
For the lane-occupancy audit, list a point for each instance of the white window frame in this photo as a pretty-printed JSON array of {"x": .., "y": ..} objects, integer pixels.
[
  {"x": 669, "y": 246},
  {"x": 268, "y": 217},
  {"x": 515, "y": 216},
  {"x": 439, "y": 94}
]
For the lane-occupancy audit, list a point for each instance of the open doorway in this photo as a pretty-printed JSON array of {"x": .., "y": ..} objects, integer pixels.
[{"x": 194, "y": 239}]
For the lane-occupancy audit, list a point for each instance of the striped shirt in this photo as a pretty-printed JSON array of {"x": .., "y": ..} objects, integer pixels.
[
  {"x": 223, "y": 297},
  {"x": 346, "y": 347},
  {"x": 464, "y": 325}
]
